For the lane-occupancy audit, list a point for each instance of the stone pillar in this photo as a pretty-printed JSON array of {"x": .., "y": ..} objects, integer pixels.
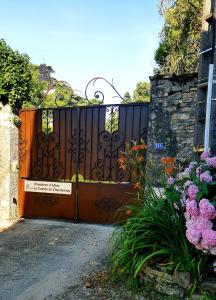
[
  {"x": 9, "y": 167},
  {"x": 172, "y": 113}
]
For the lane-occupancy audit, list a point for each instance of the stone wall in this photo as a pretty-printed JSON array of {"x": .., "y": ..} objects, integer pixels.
[
  {"x": 172, "y": 116},
  {"x": 8, "y": 165}
]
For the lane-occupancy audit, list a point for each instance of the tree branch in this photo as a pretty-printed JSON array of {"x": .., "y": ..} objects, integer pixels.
[{"x": 195, "y": 7}]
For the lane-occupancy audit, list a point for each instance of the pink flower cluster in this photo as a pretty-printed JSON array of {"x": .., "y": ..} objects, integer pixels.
[
  {"x": 192, "y": 191},
  {"x": 204, "y": 155},
  {"x": 211, "y": 161},
  {"x": 206, "y": 177},
  {"x": 199, "y": 227}
]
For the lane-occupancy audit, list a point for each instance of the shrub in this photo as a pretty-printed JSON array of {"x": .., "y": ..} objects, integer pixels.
[
  {"x": 157, "y": 229},
  {"x": 15, "y": 79}
]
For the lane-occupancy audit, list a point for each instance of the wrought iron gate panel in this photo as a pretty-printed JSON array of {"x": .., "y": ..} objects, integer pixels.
[
  {"x": 101, "y": 148},
  {"x": 50, "y": 154},
  {"x": 78, "y": 145}
]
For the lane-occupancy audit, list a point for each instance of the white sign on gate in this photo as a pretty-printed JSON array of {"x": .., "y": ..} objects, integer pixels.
[{"x": 48, "y": 187}]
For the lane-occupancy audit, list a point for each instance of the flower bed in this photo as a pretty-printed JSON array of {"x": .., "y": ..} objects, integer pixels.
[{"x": 175, "y": 229}]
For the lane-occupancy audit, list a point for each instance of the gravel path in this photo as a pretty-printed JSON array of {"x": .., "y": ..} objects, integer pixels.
[{"x": 48, "y": 259}]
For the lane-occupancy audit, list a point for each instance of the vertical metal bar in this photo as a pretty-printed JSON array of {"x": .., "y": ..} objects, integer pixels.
[
  {"x": 111, "y": 144},
  {"x": 65, "y": 145},
  {"x": 117, "y": 150},
  {"x": 25, "y": 143},
  {"x": 77, "y": 167},
  {"x": 208, "y": 108},
  {"x": 36, "y": 139},
  {"x": 126, "y": 108},
  {"x": 85, "y": 143},
  {"x": 31, "y": 139},
  {"x": 98, "y": 130},
  {"x": 140, "y": 108},
  {"x": 71, "y": 156},
  {"x": 210, "y": 82},
  {"x": 47, "y": 136},
  {"x": 91, "y": 144},
  {"x": 59, "y": 145},
  {"x": 132, "y": 124}
]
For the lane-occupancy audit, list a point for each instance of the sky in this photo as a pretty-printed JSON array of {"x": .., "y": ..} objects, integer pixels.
[{"x": 83, "y": 39}]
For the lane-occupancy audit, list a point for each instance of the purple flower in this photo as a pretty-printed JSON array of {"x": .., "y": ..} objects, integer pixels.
[
  {"x": 192, "y": 191},
  {"x": 206, "y": 177},
  {"x": 192, "y": 165},
  {"x": 201, "y": 223},
  {"x": 193, "y": 236},
  {"x": 186, "y": 172},
  {"x": 207, "y": 210},
  {"x": 198, "y": 171},
  {"x": 188, "y": 182},
  {"x": 170, "y": 181},
  {"x": 191, "y": 207},
  {"x": 208, "y": 239},
  {"x": 204, "y": 155},
  {"x": 211, "y": 161}
]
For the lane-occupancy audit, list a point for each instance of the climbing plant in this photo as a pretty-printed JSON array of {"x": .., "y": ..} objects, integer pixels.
[{"x": 180, "y": 37}]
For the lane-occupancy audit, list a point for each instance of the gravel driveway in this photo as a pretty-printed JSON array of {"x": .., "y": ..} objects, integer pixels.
[{"x": 43, "y": 259}]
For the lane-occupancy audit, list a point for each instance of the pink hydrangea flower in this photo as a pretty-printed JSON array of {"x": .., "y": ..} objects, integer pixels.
[
  {"x": 208, "y": 239},
  {"x": 193, "y": 236},
  {"x": 192, "y": 191},
  {"x": 207, "y": 210},
  {"x": 211, "y": 161},
  {"x": 204, "y": 155},
  {"x": 206, "y": 177},
  {"x": 191, "y": 207},
  {"x": 201, "y": 223}
]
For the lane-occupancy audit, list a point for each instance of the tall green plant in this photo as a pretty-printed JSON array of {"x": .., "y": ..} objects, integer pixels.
[
  {"x": 155, "y": 233},
  {"x": 15, "y": 78},
  {"x": 180, "y": 37}
]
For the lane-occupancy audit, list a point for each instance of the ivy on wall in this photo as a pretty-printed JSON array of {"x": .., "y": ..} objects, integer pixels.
[
  {"x": 15, "y": 77},
  {"x": 180, "y": 37}
]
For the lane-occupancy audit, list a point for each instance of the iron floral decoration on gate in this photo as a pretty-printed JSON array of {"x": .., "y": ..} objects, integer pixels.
[{"x": 65, "y": 95}]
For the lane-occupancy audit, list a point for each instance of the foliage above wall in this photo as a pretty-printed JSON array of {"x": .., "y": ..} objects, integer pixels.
[
  {"x": 15, "y": 79},
  {"x": 180, "y": 37},
  {"x": 140, "y": 94}
]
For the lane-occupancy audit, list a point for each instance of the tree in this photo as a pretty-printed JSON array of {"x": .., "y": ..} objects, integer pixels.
[
  {"x": 127, "y": 98},
  {"x": 180, "y": 37},
  {"x": 15, "y": 77},
  {"x": 47, "y": 91},
  {"x": 142, "y": 92}
]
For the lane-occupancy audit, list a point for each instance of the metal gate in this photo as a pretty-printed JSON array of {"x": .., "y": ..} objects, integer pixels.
[{"x": 80, "y": 146}]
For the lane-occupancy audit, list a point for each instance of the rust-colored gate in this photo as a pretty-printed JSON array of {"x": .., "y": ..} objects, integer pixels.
[{"x": 80, "y": 146}]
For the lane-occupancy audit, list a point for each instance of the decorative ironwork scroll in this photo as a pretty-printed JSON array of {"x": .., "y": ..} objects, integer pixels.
[
  {"x": 83, "y": 144},
  {"x": 99, "y": 94},
  {"x": 110, "y": 145},
  {"x": 46, "y": 160}
]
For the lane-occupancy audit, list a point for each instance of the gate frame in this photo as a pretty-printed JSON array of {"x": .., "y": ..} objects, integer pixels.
[{"x": 77, "y": 182}]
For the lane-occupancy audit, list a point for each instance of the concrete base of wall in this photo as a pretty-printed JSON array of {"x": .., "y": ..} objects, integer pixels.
[{"x": 9, "y": 167}]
